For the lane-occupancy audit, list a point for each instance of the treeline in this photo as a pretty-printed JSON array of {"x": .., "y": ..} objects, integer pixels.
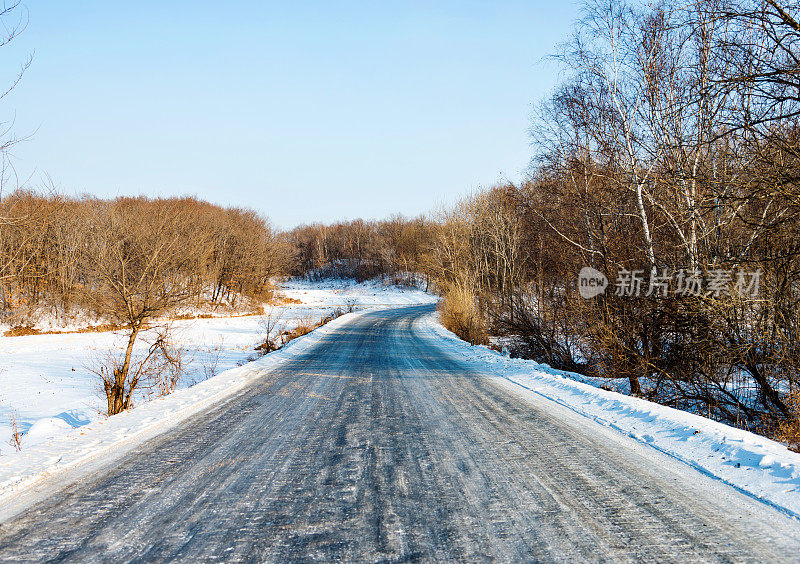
[
  {"x": 130, "y": 261},
  {"x": 668, "y": 161},
  {"x": 60, "y": 256},
  {"x": 361, "y": 250}
]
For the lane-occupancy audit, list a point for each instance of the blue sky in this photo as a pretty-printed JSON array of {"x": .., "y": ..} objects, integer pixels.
[{"x": 305, "y": 111}]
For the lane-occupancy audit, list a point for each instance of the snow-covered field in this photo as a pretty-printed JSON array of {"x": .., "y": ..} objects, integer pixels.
[
  {"x": 753, "y": 464},
  {"x": 47, "y": 386}
]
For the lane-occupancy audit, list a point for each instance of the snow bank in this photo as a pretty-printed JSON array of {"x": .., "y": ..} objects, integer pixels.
[
  {"x": 752, "y": 464},
  {"x": 341, "y": 293}
]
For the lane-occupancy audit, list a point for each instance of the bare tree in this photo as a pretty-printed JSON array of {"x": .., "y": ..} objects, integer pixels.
[
  {"x": 137, "y": 262},
  {"x": 270, "y": 325}
]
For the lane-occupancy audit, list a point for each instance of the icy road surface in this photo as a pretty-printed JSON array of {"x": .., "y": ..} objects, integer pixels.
[{"x": 375, "y": 445}]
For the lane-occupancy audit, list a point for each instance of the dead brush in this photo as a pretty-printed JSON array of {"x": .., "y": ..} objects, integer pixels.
[
  {"x": 338, "y": 312},
  {"x": 304, "y": 327},
  {"x": 16, "y": 436},
  {"x": 459, "y": 313},
  {"x": 210, "y": 369},
  {"x": 22, "y": 331},
  {"x": 270, "y": 324},
  {"x": 155, "y": 371},
  {"x": 275, "y": 340},
  {"x": 787, "y": 431}
]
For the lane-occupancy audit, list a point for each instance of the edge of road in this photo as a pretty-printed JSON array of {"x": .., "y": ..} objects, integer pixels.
[{"x": 753, "y": 465}]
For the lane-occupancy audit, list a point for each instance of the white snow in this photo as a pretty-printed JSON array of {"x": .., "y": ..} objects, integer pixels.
[
  {"x": 337, "y": 293},
  {"x": 753, "y": 464}
]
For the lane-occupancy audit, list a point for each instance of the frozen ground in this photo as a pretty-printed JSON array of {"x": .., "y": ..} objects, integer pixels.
[{"x": 47, "y": 386}]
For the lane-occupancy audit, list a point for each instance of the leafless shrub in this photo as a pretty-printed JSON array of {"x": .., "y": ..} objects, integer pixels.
[
  {"x": 211, "y": 365},
  {"x": 166, "y": 364},
  {"x": 156, "y": 371},
  {"x": 270, "y": 324},
  {"x": 788, "y": 429},
  {"x": 16, "y": 436},
  {"x": 304, "y": 326},
  {"x": 276, "y": 340}
]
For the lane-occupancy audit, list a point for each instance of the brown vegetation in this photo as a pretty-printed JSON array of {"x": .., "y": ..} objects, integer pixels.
[
  {"x": 274, "y": 340},
  {"x": 126, "y": 262},
  {"x": 21, "y": 331},
  {"x": 16, "y": 435},
  {"x": 361, "y": 249}
]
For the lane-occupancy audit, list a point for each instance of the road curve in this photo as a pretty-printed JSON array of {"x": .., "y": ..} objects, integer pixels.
[{"x": 376, "y": 446}]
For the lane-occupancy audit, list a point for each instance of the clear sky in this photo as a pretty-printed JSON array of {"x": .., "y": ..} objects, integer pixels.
[{"x": 305, "y": 111}]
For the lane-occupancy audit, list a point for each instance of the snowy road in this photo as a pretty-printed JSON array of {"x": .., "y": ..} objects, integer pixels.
[{"x": 375, "y": 445}]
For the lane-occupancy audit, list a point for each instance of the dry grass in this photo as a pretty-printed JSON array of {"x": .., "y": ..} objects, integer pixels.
[
  {"x": 22, "y": 331},
  {"x": 306, "y": 326},
  {"x": 788, "y": 430},
  {"x": 459, "y": 313}
]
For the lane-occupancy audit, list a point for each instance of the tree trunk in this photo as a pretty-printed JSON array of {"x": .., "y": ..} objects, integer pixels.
[{"x": 117, "y": 398}]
